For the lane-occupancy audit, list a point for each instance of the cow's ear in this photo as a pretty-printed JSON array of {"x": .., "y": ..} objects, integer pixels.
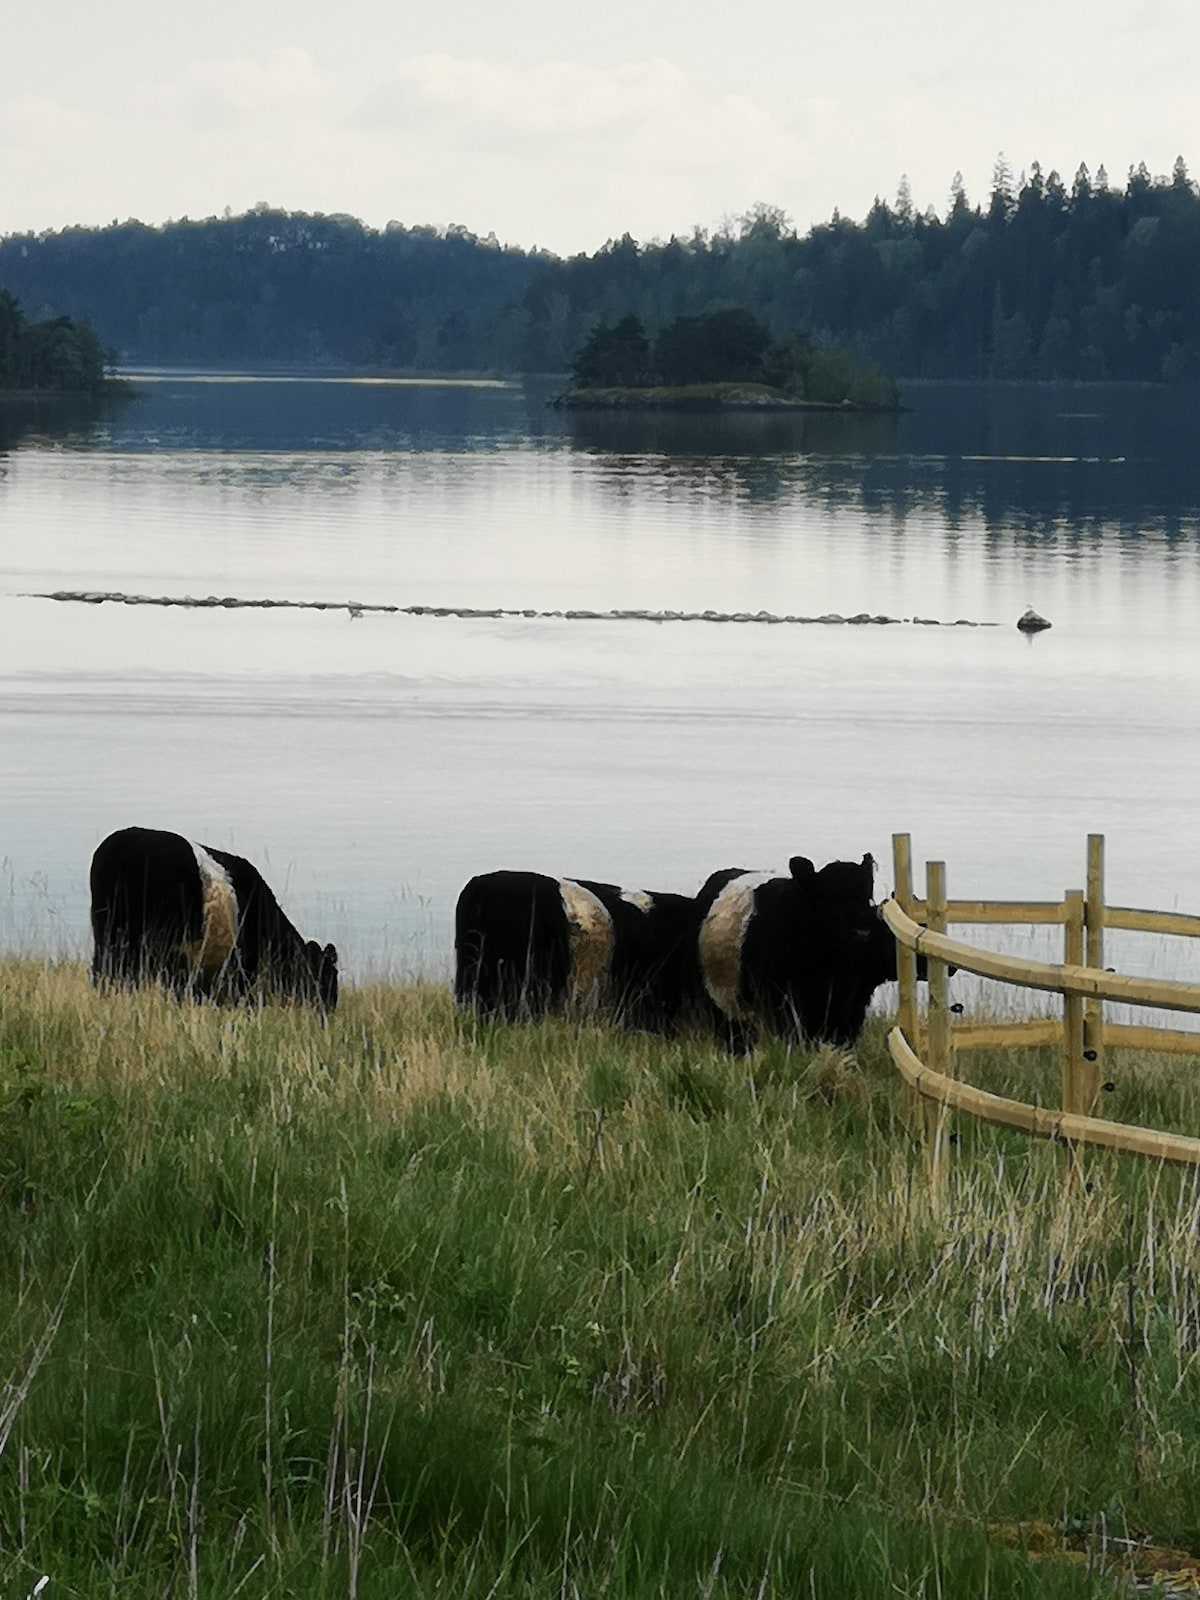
[
  {"x": 802, "y": 869},
  {"x": 868, "y": 866}
]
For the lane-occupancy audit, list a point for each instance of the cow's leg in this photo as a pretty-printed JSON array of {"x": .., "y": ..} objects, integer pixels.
[
  {"x": 517, "y": 991},
  {"x": 486, "y": 978},
  {"x": 522, "y": 971},
  {"x": 113, "y": 961},
  {"x": 118, "y": 933},
  {"x": 504, "y": 990},
  {"x": 500, "y": 979},
  {"x": 469, "y": 969},
  {"x": 733, "y": 1035},
  {"x": 512, "y": 956},
  {"x": 103, "y": 945}
]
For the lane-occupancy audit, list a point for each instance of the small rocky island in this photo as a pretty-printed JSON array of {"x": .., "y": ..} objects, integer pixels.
[{"x": 719, "y": 361}]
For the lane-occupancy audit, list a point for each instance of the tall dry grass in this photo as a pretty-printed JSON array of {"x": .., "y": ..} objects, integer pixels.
[{"x": 402, "y": 1304}]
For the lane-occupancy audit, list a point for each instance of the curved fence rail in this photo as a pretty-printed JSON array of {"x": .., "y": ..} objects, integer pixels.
[
  {"x": 1041, "y": 1121},
  {"x": 925, "y": 1055}
]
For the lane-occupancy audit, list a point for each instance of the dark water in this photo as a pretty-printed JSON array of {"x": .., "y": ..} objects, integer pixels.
[{"x": 371, "y": 765}]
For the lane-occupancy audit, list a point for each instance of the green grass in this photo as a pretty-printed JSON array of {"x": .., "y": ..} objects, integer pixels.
[{"x": 401, "y": 1306}]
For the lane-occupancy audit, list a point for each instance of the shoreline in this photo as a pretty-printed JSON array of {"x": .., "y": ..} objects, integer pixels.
[
  {"x": 113, "y": 389},
  {"x": 707, "y": 397}
]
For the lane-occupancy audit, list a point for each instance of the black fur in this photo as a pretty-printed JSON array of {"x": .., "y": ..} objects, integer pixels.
[
  {"x": 814, "y": 951},
  {"x": 654, "y": 975},
  {"x": 512, "y": 948},
  {"x": 147, "y": 901},
  {"x": 512, "y": 951}
]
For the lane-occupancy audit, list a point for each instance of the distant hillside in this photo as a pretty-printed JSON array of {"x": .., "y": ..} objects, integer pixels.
[
  {"x": 274, "y": 287},
  {"x": 1042, "y": 281}
]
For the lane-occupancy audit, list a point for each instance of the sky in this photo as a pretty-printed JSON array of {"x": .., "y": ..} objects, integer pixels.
[{"x": 563, "y": 125}]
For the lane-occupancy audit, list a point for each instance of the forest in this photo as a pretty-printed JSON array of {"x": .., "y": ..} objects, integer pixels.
[{"x": 1041, "y": 280}]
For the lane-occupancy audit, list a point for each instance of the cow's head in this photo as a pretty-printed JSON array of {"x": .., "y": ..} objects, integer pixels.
[
  {"x": 323, "y": 964},
  {"x": 840, "y": 894},
  {"x": 885, "y": 956},
  {"x": 847, "y": 878}
]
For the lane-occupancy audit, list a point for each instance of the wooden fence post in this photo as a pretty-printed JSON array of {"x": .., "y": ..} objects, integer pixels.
[
  {"x": 1092, "y": 1064},
  {"x": 938, "y": 1053},
  {"x": 1072, "y": 1048},
  {"x": 906, "y": 961}
]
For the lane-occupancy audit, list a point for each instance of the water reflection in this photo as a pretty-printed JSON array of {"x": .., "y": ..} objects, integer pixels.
[
  {"x": 1032, "y": 457},
  {"x": 288, "y": 415},
  {"x": 53, "y": 418},
  {"x": 734, "y": 433}
]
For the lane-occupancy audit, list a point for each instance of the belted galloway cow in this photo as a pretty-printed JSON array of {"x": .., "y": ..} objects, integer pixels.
[
  {"x": 201, "y": 921},
  {"x": 799, "y": 957},
  {"x": 526, "y": 944}
]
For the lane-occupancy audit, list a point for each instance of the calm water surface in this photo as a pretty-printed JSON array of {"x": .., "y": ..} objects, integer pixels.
[{"x": 371, "y": 765}]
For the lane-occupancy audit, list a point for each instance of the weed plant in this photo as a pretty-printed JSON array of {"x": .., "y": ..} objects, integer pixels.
[{"x": 404, "y": 1305}]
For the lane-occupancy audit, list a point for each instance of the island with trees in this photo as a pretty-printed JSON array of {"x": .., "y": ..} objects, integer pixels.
[
  {"x": 718, "y": 361},
  {"x": 57, "y": 356}
]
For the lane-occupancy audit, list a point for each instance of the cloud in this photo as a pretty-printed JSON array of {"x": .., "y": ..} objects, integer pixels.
[
  {"x": 285, "y": 85},
  {"x": 560, "y": 153},
  {"x": 567, "y": 153},
  {"x": 552, "y": 98},
  {"x": 215, "y": 133},
  {"x": 38, "y": 117}
]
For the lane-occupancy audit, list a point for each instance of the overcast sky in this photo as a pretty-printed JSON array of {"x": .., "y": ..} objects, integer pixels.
[{"x": 563, "y": 125}]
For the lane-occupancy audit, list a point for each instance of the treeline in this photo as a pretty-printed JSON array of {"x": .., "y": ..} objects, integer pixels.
[
  {"x": 57, "y": 355},
  {"x": 1041, "y": 280}
]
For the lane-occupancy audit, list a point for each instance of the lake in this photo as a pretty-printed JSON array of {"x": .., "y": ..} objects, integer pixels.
[{"x": 370, "y": 764}]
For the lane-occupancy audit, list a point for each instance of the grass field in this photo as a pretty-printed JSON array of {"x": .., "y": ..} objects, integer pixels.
[{"x": 400, "y": 1306}]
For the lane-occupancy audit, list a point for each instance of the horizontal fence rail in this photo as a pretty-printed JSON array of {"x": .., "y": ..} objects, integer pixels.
[
  {"x": 1041, "y": 1121},
  {"x": 1181, "y": 924},
  {"x": 1065, "y": 978},
  {"x": 1082, "y": 1031}
]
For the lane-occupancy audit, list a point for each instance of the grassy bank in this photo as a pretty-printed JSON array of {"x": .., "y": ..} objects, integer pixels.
[{"x": 403, "y": 1307}]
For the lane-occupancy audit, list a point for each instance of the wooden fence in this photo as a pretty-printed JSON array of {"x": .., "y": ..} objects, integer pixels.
[{"x": 925, "y": 1049}]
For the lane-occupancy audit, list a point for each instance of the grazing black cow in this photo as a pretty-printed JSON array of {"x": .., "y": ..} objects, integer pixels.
[
  {"x": 199, "y": 920},
  {"x": 526, "y": 944},
  {"x": 799, "y": 956}
]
